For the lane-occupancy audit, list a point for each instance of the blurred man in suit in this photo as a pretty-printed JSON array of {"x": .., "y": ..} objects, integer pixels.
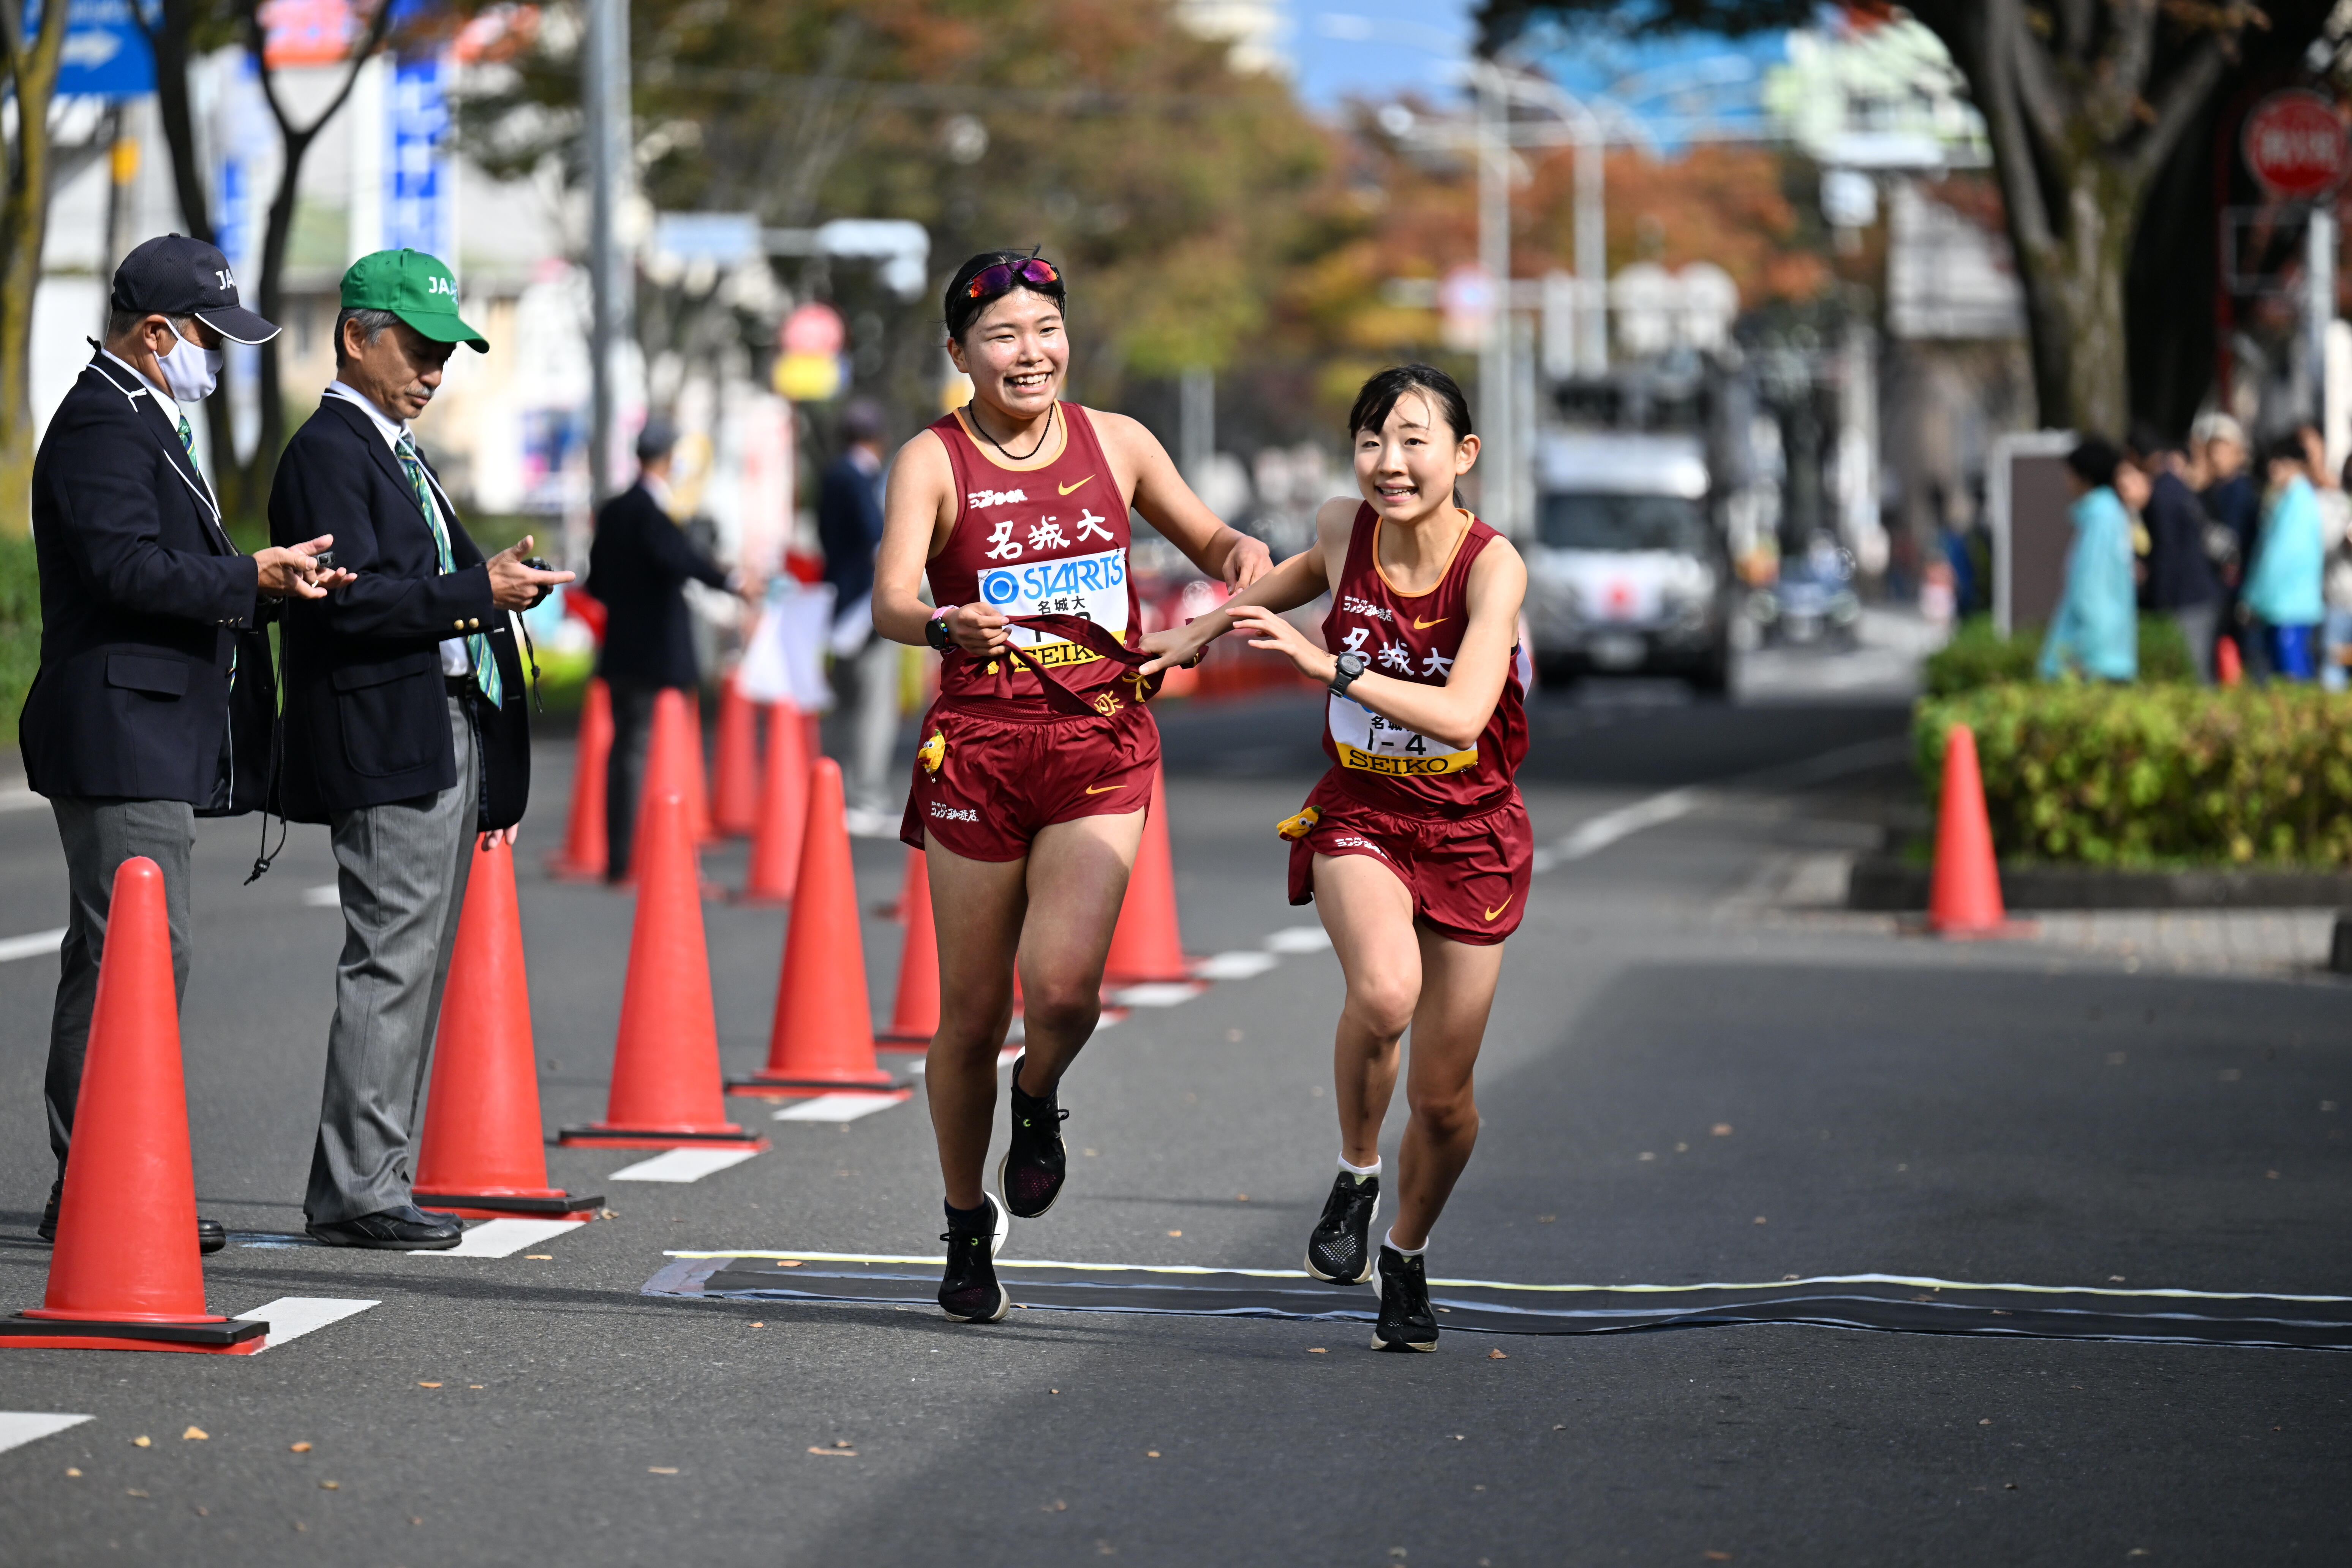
[
  {"x": 865, "y": 667},
  {"x": 637, "y": 569},
  {"x": 154, "y": 701},
  {"x": 407, "y": 728}
]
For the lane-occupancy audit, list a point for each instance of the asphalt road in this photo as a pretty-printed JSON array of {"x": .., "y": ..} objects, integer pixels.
[{"x": 1686, "y": 1081}]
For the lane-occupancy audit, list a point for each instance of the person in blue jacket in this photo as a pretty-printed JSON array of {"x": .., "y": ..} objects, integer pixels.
[
  {"x": 2096, "y": 632},
  {"x": 2282, "y": 591}
]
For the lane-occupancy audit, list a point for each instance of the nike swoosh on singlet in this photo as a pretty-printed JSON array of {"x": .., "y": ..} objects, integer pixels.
[
  {"x": 1065, "y": 490},
  {"x": 1421, "y": 625},
  {"x": 1106, "y": 789}
]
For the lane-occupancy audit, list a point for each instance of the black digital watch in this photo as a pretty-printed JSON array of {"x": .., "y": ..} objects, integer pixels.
[
  {"x": 936, "y": 632},
  {"x": 1352, "y": 665}
]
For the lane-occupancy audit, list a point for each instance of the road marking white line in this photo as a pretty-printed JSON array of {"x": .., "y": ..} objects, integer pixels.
[
  {"x": 505, "y": 1237},
  {"x": 1239, "y": 965},
  {"x": 18, "y": 1427},
  {"x": 1598, "y": 834},
  {"x": 291, "y": 1317},
  {"x": 1162, "y": 994},
  {"x": 327, "y": 896},
  {"x": 681, "y": 1165},
  {"x": 21, "y": 799},
  {"x": 838, "y": 1107},
  {"x": 1298, "y": 939},
  {"x": 30, "y": 946}
]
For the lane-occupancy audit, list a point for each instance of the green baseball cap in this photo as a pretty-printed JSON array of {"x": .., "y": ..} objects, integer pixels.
[{"x": 414, "y": 287}]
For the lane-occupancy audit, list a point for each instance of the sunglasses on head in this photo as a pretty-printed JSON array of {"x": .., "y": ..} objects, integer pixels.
[{"x": 1007, "y": 275}]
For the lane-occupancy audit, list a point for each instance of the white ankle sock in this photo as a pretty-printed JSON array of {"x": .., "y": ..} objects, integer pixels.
[
  {"x": 1372, "y": 1170},
  {"x": 1391, "y": 1240}
]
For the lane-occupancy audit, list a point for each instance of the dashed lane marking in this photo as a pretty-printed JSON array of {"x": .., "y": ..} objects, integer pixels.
[
  {"x": 30, "y": 946},
  {"x": 291, "y": 1317},
  {"x": 327, "y": 896},
  {"x": 682, "y": 1165},
  {"x": 842, "y": 1107},
  {"x": 1168, "y": 993},
  {"x": 1298, "y": 939},
  {"x": 1239, "y": 965},
  {"x": 505, "y": 1237},
  {"x": 18, "y": 1427}
]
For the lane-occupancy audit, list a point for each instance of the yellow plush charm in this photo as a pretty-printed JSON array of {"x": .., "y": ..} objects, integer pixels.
[
  {"x": 934, "y": 753},
  {"x": 1302, "y": 824}
]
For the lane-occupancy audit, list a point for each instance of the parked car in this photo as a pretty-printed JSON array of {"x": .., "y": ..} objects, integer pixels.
[{"x": 1628, "y": 571}]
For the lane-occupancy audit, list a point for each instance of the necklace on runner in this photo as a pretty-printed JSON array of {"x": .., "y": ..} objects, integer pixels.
[{"x": 1032, "y": 451}]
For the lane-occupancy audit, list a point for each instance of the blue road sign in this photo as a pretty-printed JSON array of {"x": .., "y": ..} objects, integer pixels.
[{"x": 106, "y": 56}]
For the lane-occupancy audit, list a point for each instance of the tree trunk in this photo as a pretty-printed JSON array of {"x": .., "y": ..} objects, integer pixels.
[
  {"x": 2074, "y": 300},
  {"x": 24, "y": 232}
]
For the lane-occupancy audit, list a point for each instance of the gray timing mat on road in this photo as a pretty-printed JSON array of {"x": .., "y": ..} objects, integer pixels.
[{"x": 1887, "y": 1302}]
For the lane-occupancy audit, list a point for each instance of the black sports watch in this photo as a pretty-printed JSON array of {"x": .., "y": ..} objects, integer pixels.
[
  {"x": 935, "y": 630},
  {"x": 1352, "y": 665}
]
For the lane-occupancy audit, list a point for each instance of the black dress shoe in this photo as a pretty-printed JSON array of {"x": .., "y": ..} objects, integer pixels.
[
  {"x": 404, "y": 1229},
  {"x": 210, "y": 1236}
]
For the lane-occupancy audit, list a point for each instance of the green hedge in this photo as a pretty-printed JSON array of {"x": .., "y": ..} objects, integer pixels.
[
  {"x": 2150, "y": 776},
  {"x": 1979, "y": 657},
  {"x": 20, "y": 630}
]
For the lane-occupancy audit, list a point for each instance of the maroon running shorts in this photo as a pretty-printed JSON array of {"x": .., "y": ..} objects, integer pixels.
[
  {"x": 997, "y": 781},
  {"x": 1468, "y": 875}
]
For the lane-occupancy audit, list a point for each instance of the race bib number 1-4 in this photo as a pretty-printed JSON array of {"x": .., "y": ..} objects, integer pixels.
[
  {"x": 1094, "y": 586},
  {"x": 1372, "y": 744}
]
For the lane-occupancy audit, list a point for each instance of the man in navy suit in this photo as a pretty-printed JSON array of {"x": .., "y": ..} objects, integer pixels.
[
  {"x": 153, "y": 701},
  {"x": 408, "y": 729}
]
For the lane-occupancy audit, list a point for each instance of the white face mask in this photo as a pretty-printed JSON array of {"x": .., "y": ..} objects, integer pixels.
[{"x": 191, "y": 371}]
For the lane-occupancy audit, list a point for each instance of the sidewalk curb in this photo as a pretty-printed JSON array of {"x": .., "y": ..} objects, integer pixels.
[{"x": 1883, "y": 883}]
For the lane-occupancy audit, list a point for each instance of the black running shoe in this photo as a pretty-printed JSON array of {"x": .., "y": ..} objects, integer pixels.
[
  {"x": 969, "y": 1290},
  {"x": 1407, "y": 1322},
  {"x": 1340, "y": 1250},
  {"x": 1030, "y": 1174}
]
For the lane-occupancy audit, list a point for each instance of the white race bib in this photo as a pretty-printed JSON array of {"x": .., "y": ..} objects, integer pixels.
[
  {"x": 1366, "y": 742},
  {"x": 1094, "y": 586}
]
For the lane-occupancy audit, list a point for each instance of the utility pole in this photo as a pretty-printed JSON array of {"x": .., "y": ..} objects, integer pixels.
[
  {"x": 604, "y": 99},
  {"x": 1498, "y": 488},
  {"x": 2319, "y": 304}
]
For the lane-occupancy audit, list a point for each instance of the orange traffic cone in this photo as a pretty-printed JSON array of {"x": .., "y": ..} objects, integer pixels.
[
  {"x": 735, "y": 802},
  {"x": 584, "y": 854},
  {"x": 483, "y": 1154},
  {"x": 2228, "y": 665},
  {"x": 914, "y": 1014},
  {"x": 824, "y": 1033},
  {"x": 1145, "y": 945},
  {"x": 783, "y": 812},
  {"x": 666, "y": 1086},
  {"x": 916, "y": 883},
  {"x": 697, "y": 777},
  {"x": 666, "y": 769},
  {"x": 1964, "y": 899},
  {"x": 126, "y": 1274}
]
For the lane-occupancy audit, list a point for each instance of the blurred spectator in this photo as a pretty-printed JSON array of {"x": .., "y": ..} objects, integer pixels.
[
  {"x": 2095, "y": 631},
  {"x": 637, "y": 569},
  {"x": 2218, "y": 453},
  {"x": 2336, "y": 590},
  {"x": 865, "y": 667},
  {"x": 2335, "y": 523},
  {"x": 2180, "y": 582},
  {"x": 2282, "y": 590}
]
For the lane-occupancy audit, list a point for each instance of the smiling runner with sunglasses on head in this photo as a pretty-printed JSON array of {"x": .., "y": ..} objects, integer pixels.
[
  {"x": 1038, "y": 760},
  {"x": 1414, "y": 847}
]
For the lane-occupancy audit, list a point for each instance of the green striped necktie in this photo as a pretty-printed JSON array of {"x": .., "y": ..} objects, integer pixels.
[{"x": 478, "y": 647}]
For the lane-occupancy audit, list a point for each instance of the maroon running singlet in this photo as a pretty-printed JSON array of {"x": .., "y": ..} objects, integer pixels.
[
  {"x": 1449, "y": 822},
  {"x": 1000, "y": 759}
]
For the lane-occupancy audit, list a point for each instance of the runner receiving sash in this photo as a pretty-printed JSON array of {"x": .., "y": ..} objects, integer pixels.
[
  {"x": 1036, "y": 763},
  {"x": 1414, "y": 845}
]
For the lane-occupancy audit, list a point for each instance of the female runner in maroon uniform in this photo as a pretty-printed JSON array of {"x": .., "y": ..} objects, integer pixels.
[
  {"x": 1037, "y": 759},
  {"x": 1414, "y": 847}
]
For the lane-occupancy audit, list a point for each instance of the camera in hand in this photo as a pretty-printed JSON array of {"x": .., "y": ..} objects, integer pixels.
[{"x": 536, "y": 565}]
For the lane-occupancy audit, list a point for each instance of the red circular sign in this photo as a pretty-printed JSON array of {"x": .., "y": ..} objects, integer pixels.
[
  {"x": 2295, "y": 146},
  {"x": 814, "y": 329}
]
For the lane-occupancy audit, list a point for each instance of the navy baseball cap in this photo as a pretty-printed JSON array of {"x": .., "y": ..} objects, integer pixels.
[{"x": 172, "y": 275}]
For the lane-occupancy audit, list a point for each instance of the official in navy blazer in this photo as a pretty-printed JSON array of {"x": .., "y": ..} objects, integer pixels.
[
  {"x": 407, "y": 728},
  {"x": 153, "y": 701}
]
